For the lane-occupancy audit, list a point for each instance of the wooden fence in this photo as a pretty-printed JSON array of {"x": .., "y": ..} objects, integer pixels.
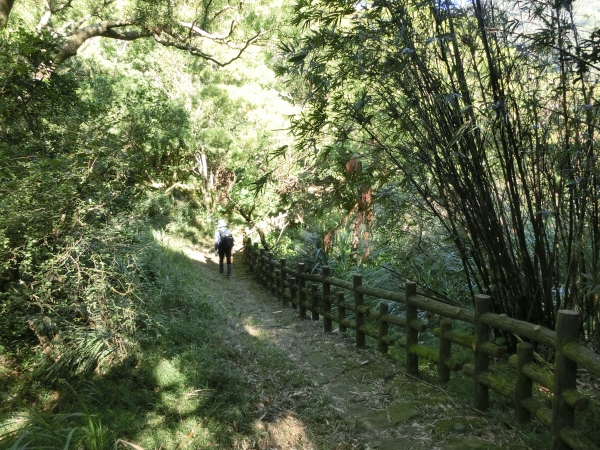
[{"x": 291, "y": 285}]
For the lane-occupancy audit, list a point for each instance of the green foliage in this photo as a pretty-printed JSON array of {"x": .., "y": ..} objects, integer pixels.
[
  {"x": 79, "y": 146},
  {"x": 75, "y": 154}
]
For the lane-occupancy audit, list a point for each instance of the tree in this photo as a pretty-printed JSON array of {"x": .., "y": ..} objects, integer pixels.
[{"x": 217, "y": 31}]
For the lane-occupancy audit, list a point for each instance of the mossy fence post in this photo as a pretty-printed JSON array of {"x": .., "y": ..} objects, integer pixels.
[
  {"x": 383, "y": 327},
  {"x": 565, "y": 372},
  {"x": 294, "y": 292},
  {"x": 445, "y": 351},
  {"x": 246, "y": 253},
  {"x": 327, "y": 323},
  {"x": 523, "y": 384},
  {"x": 301, "y": 292},
  {"x": 283, "y": 280},
  {"x": 277, "y": 282},
  {"x": 256, "y": 259},
  {"x": 271, "y": 280},
  {"x": 412, "y": 335},
  {"x": 262, "y": 268},
  {"x": 314, "y": 302},
  {"x": 482, "y": 360},
  {"x": 341, "y": 312},
  {"x": 360, "y": 315}
]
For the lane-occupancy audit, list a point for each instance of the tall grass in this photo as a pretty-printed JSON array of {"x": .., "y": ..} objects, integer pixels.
[
  {"x": 29, "y": 428},
  {"x": 174, "y": 369}
]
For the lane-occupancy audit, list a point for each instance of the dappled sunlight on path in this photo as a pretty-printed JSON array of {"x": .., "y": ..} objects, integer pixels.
[
  {"x": 347, "y": 397},
  {"x": 195, "y": 255}
]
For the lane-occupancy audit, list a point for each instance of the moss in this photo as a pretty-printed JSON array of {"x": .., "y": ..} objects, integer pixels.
[
  {"x": 470, "y": 444},
  {"x": 458, "y": 425}
]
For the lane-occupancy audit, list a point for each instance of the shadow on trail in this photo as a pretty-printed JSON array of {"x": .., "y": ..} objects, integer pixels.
[{"x": 201, "y": 380}]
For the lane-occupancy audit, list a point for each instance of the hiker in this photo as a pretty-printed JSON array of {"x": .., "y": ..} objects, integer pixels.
[{"x": 223, "y": 245}]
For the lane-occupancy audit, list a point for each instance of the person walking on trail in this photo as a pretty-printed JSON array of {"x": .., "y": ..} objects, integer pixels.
[{"x": 223, "y": 245}]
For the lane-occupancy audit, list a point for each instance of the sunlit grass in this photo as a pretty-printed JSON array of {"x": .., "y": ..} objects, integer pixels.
[
  {"x": 253, "y": 331},
  {"x": 168, "y": 375}
]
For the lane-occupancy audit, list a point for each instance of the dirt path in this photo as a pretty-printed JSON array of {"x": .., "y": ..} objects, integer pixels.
[{"x": 364, "y": 399}]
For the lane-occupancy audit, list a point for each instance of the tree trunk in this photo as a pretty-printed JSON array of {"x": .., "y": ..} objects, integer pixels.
[{"x": 5, "y": 9}]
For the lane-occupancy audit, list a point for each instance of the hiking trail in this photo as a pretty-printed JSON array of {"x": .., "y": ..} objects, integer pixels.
[{"x": 371, "y": 402}]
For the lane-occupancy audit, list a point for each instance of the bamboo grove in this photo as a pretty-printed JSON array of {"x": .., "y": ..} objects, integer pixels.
[{"x": 486, "y": 111}]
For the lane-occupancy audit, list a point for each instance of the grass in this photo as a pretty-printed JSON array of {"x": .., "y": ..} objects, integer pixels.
[{"x": 190, "y": 377}]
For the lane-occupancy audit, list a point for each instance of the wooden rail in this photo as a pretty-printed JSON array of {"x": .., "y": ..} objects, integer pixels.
[{"x": 291, "y": 286}]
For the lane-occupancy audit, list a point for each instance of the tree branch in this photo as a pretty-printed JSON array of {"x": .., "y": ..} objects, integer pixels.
[
  {"x": 126, "y": 35},
  {"x": 196, "y": 51},
  {"x": 72, "y": 37},
  {"x": 205, "y": 34},
  {"x": 65, "y": 30},
  {"x": 49, "y": 11},
  {"x": 101, "y": 29},
  {"x": 45, "y": 19},
  {"x": 66, "y": 5}
]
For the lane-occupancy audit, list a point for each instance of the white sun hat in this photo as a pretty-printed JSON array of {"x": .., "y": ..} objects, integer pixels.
[{"x": 221, "y": 223}]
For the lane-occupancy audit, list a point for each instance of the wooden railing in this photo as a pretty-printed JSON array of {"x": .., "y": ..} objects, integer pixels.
[{"x": 291, "y": 285}]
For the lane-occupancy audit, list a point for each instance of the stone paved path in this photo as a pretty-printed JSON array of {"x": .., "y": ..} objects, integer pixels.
[{"x": 370, "y": 392}]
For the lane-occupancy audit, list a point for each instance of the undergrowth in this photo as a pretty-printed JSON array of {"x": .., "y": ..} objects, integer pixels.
[{"x": 184, "y": 374}]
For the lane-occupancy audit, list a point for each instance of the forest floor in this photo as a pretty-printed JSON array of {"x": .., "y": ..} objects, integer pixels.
[{"x": 347, "y": 398}]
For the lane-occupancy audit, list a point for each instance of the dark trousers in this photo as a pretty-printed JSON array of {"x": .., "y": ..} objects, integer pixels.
[{"x": 224, "y": 252}]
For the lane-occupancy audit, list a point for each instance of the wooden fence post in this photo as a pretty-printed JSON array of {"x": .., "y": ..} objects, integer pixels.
[
  {"x": 383, "y": 327},
  {"x": 276, "y": 282},
  {"x": 284, "y": 299},
  {"x": 341, "y": 312},
  {"x": 565, "y": 371},
  {"x": 523, "y": 384},
  {"x": 445, "y": 351},
  {"x": 294, "y": 292},
  {"x": 301, "y": 292},
  {"x": 270, "y": 280},
  {"x": 249, "y": 250},
  {"x": 412, "y": 335},
  {"x": 327, "y": 325},
  {"x": 255, "y": 259},
  {"x": 360, "y": 316},
  {"x": 314, "y": 302},
  {"x": 482, "y": 360},
  {"x": 262, "y": 267}
]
